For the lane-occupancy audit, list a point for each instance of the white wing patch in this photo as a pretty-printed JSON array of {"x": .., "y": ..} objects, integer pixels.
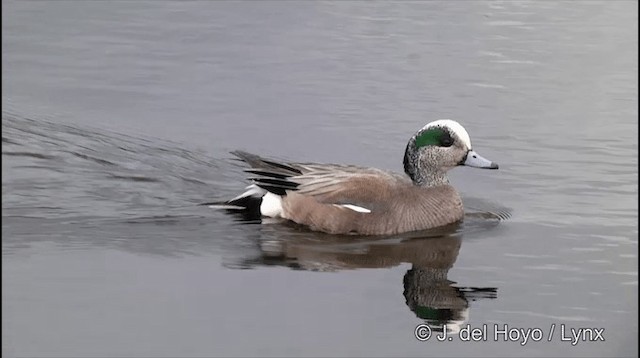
[
  {"x": 357, "y": 208},
  {"x": 455, "y": 127}
]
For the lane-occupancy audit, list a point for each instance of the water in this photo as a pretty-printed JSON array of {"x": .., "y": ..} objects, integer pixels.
[{"x": 118, "y": 118}]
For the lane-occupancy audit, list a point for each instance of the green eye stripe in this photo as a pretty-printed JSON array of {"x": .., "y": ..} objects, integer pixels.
[{"x": 431, "y": 136}]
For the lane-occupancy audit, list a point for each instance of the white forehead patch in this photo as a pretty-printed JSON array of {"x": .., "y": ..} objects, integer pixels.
[{"x": 455, "y": 127}]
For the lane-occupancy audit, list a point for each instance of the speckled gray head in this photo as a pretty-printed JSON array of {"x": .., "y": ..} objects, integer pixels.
[{"x": 438, "y": 147}]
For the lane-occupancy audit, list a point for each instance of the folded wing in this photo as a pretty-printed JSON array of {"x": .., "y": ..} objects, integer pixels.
[{"x": 326, "y": 183}]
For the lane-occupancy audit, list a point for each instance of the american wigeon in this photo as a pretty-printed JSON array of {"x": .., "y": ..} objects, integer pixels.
[{"x": 346, "y": 199}]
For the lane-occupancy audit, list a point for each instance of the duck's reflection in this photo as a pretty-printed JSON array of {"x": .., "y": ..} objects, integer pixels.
[
  {"x": 432, "y": 297},
  {"x": 427, "y": 290}
]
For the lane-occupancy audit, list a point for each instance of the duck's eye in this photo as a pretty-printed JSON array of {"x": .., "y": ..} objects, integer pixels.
[{"x": 446, "y": 140}]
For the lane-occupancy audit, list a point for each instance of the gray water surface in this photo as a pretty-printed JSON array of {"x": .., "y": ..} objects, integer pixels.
[{"x": 118, "y": 118}]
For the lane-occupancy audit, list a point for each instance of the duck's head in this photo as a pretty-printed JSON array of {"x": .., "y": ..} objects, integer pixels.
[{"x": 438, "y": 147}]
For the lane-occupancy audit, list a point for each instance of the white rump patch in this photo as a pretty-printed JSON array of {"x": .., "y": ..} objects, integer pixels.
[
  {"x": 455, "y": 127},
  {"x": 252, "y": 190},
  {"x": 271, "y": 205},
  {"x": 357, "y": 208}
]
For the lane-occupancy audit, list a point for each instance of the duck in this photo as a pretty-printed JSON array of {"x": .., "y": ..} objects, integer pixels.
[{"x": 357, "y": 200}]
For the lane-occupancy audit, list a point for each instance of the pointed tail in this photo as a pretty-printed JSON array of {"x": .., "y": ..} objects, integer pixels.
[{"x": 246, "y": 204}]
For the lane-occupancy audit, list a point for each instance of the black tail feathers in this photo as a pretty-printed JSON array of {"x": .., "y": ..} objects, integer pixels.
[{"x": 247, "y": 208}]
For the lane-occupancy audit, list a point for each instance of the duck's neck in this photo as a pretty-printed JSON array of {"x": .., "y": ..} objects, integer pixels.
[
  {"x": 426, "y": 175},
  {"x": 430, "y": 178}
]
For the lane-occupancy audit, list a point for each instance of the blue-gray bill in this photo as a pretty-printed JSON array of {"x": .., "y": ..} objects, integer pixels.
[{"x": 477, "y": 161}]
